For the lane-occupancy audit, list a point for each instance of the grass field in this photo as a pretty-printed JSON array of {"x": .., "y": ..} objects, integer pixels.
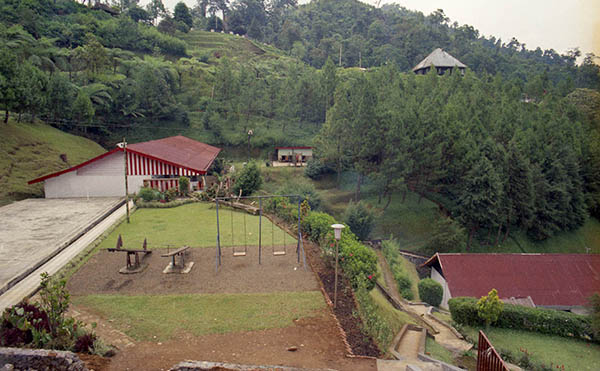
[
  {"x": 438, "y": 352},
  {"x": 544, "y": 349},
  {"x": 162, "y": 317},
  {"x": 392, "y": 317},
  {"x": 31, "y": 150},
  {"x": 194, "y": 225}
]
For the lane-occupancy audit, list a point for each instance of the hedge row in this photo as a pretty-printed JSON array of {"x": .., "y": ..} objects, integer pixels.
[
  {"x": 358, "y": 262},
  {"x": 546, "y": 321}
]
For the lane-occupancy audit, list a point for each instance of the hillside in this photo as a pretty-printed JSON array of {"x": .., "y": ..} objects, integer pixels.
[{"x": 29, "y": 150}]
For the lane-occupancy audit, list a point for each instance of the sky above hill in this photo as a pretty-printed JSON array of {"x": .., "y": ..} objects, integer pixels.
[{"x": 549, "y": 24}]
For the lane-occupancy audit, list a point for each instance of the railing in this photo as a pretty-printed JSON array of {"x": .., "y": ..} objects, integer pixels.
[{"x": 487, "y": 357}]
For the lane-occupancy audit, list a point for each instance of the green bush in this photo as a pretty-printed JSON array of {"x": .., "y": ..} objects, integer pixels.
[
  {"x": 404, "y": 284},
  {"x": 304, "y": 189},
  {"x": 249, "y": 180},
  {"x": 170, "y": 194},
  {"x": 315, "y": 169},
  {"x": 184, "y": 185},
  {"x": 490, "y": 307},
  {"x": 147, "y": 194},
  {"x": 360, "y": 219},
  {"x": 546, "y": 321},
  {"x": 317, "y": 225},
  {"x": 358, "y": 262},
  {"x": 431, "y": 292}
]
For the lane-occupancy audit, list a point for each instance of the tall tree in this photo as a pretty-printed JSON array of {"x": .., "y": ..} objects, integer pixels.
[{"x": 182, "y": 14}]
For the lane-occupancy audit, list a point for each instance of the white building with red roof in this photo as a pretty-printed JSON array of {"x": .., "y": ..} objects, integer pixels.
[
  {"x": 157, "y": 164},
  {"x": 557, "y": 281}
]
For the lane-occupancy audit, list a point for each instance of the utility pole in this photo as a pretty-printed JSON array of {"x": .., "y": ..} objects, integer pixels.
[
  {"x": 340, "y": 63},
  {"x": 359, "y": 60},
  {"x": 126, "y": 185}
]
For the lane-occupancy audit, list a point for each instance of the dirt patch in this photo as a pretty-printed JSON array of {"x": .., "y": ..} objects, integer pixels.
[
  {"x": 360, "y": 343},
  {"x": 100, "y": 275},
  {"x": 316, "y": 339}
]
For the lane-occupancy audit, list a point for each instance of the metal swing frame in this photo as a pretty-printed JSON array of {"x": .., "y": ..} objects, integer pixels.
[{"x": 300, "y": 253}]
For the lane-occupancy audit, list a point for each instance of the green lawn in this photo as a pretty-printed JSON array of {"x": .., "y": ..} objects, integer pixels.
[
  {"x": 438, "y": 352},
  {"x": 194, "y": 225},
  {"x": 31, "y": 150},
  {"x": 392, "y": 316},
  {"x": 160, "y": 318},
  {"x": 544, "y": 349},
  {"x": 410, "y": 269}
]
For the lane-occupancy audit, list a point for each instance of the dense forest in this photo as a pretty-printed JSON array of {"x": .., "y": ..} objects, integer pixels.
[{"x": 513, "y": 144}]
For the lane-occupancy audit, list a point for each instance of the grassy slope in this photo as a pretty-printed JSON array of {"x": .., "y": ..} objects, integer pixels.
[
  {"x": 163, "y": 317},
  {"x": 546, "y": 349},
  {"x": 194, "y": 225},
  {"x": 31, "y": 150}
]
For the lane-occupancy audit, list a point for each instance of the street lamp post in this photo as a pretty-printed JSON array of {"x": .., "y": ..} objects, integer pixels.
[
  {"x": 250, "y": 134},
  {"x": 337, "y": 233}
]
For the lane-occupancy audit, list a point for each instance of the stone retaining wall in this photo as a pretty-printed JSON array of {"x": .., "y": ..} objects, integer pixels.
[{"x": 39, "y": 359}]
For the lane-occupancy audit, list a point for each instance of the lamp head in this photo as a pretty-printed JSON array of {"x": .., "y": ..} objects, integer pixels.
[{"x": 337, "y": 230}]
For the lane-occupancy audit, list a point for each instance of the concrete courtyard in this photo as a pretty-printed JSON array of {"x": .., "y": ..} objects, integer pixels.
[{"x": 34, "y": 230}]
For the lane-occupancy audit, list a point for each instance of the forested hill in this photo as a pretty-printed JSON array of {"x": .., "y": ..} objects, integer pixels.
[{"x": 370, "y": 36}]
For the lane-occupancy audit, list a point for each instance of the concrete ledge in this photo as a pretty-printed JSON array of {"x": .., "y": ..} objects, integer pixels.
[
  {"x": 204, "y": 365},
  {"x": 445, "y": 366},
  {"x": 40, "y": 359},
  {"x": 70, "y": 239}
]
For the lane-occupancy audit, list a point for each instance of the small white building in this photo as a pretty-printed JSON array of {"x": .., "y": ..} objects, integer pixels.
[
  {"x": 157, "y": 164},
  {"x": 294, "y": 154}
]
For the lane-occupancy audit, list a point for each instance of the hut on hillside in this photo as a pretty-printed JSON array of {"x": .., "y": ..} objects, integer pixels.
[{"x": 442, "y": 61}]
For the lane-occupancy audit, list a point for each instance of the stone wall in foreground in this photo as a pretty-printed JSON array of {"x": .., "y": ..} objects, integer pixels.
[{"x": 39, "y": 359}]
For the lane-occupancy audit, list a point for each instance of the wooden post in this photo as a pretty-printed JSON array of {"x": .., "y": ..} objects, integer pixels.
[{"x": 126, "y": 185}]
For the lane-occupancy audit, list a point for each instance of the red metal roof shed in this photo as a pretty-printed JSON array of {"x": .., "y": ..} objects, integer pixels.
[{"x": 553, "y": 280}]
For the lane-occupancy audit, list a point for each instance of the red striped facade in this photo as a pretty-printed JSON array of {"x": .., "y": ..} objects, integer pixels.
[{"x": 141, "y": 165}]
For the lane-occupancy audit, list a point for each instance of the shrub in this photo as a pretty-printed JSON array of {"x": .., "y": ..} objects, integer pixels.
[
  {"x": 431, "y": 292},
  {"x": 249, "y": 180},
  {"x": 184, "y": 185},
  {"x": 146, "y": 194},
  {"x": 489, "y": 307},
  {"x": 404, "y": 284},
  {"x": 360, "y": 219},
  {"x": 546, "y": 321},
  {"x": 317, "y": 225},
  {"x": 307, "y": 191},
  {"x": 595, "y": 314},
  {"x": 170, "y": 194},
  {"x": 358, "y": 262},
  {"x": 315, "y": 169}
]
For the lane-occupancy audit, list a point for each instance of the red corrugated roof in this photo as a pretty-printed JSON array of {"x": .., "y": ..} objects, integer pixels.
[
  {"x": 178, "y": 150},
  {"x": 550, "y": 279}
]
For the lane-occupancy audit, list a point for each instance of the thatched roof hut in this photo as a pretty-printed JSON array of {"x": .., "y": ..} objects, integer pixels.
[{"x": 441, "y": 60}]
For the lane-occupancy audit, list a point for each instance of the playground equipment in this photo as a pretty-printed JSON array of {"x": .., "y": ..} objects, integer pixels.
[
  {"x": 237, "y": 247},
  {"x": 135, "y": 266}
]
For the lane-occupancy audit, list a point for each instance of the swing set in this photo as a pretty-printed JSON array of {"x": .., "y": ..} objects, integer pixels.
[{"x": 240, "y": 250}]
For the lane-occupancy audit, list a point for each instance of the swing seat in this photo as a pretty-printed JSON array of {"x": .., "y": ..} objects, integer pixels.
[
  {"x": 277, "y": 253},
  {"x": 241, "y": 253}
]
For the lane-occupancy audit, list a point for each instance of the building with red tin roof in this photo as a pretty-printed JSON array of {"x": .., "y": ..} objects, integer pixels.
[
  {"x": 559, "y": 281},
  {"x": 157, "y": 164}
]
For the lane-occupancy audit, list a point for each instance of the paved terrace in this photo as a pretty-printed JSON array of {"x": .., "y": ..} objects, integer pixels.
[{"x": 34, "y": 230}]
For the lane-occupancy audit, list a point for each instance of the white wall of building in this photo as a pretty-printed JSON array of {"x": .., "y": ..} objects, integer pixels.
[
  {"x": 102, "y": 178},
  {"x": 289, "y": 152},
  {"x": 436, "y": 276}
]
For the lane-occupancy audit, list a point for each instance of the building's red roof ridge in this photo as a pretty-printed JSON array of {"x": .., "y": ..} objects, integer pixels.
[
  {"x": 551, "y": 279},
  {"x": 188, "y": 154}
]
